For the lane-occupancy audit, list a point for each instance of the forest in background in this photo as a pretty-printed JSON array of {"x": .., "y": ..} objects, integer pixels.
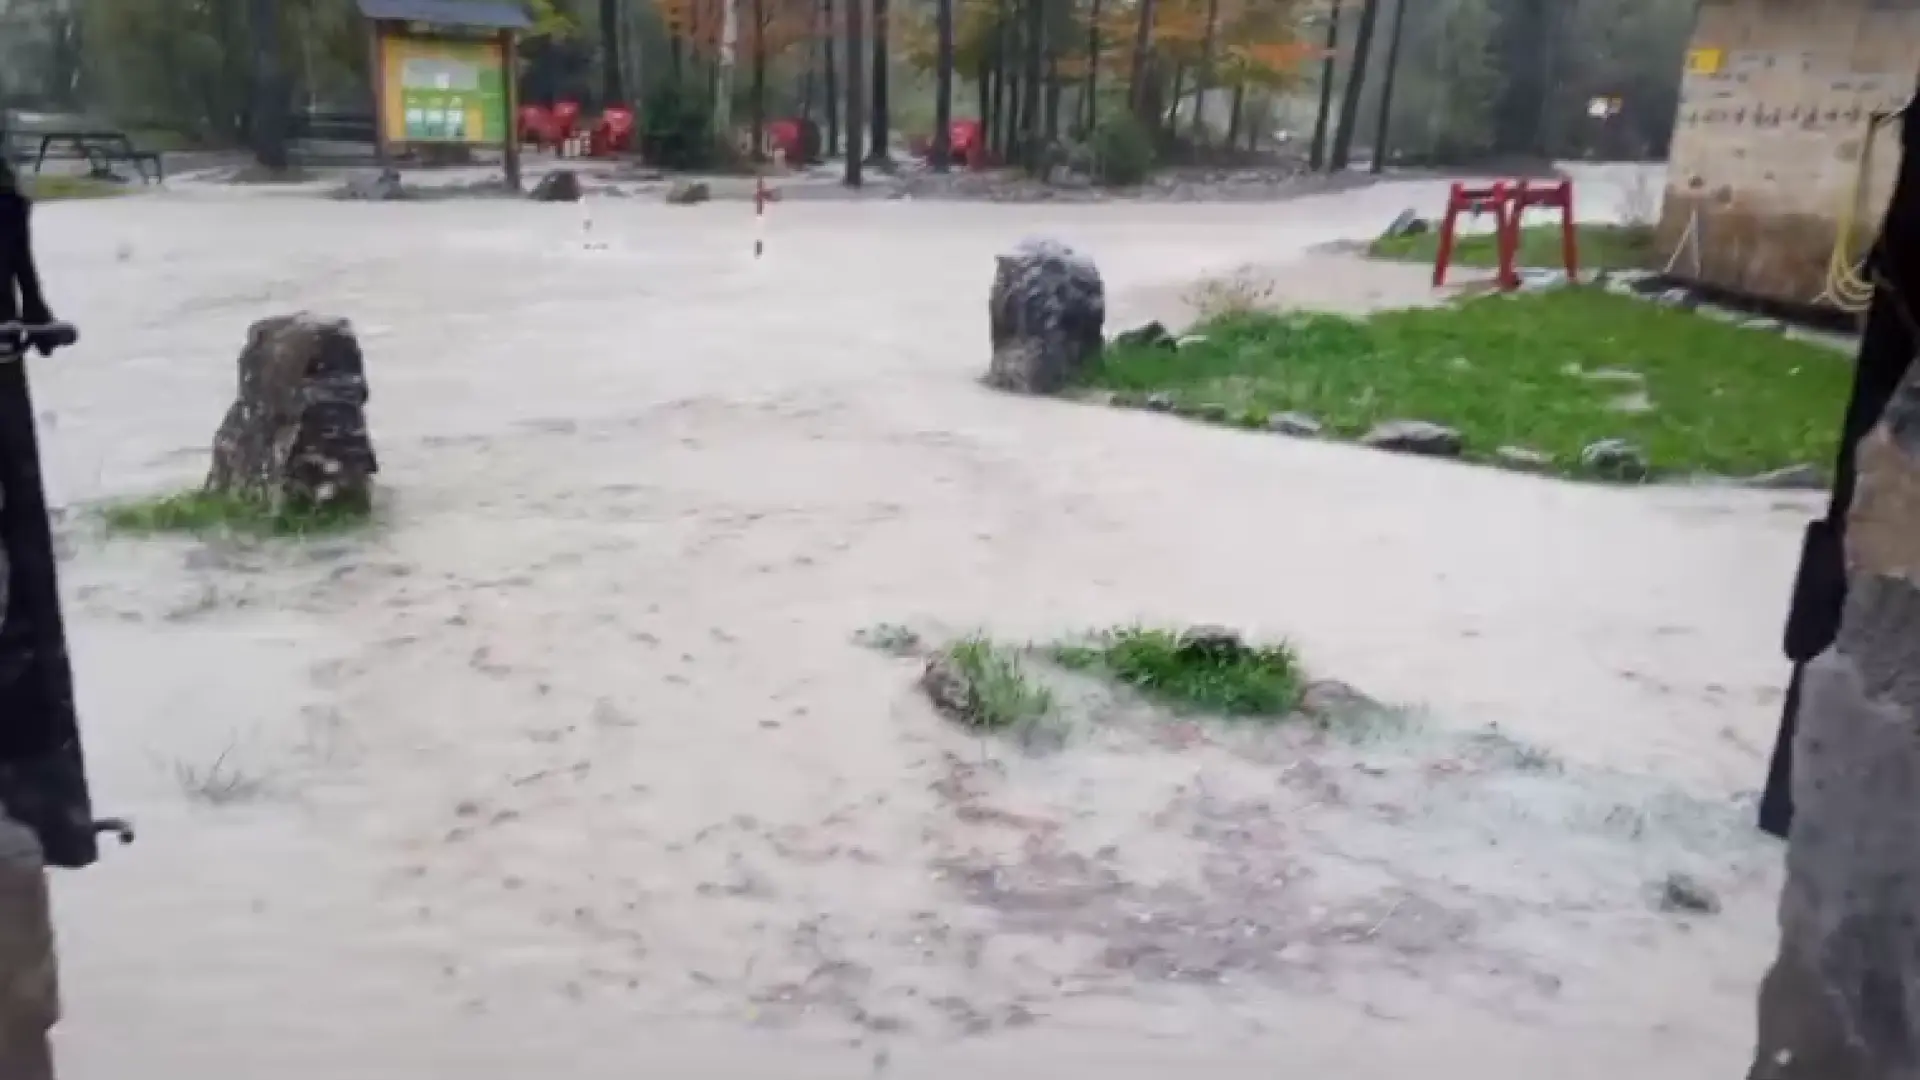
[{"x": 1467, "y": 79}]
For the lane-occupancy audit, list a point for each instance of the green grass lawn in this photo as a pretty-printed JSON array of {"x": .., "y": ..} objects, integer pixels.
[
  {"x": 1518, "y": 370},
  {"x": 1602, "y": 247},
  {"x": 50, "y": 188}
]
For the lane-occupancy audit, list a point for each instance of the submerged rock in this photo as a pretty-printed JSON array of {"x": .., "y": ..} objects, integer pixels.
[
  {"x": 1415, "y": 437},
  {"x": 1524, "y": 459},
  {"x": 1296, "y": 424},
  {"x": 1802, "y": 477},
  {"x": 1048, "y": 312},
  {"x": 688, "y": 193},
  {"x": 1615, "y": 459},
  {"x": 383, "y": 186},
  {"x": 560, "y": 185},
  {"x": 1152, "y": 335}
]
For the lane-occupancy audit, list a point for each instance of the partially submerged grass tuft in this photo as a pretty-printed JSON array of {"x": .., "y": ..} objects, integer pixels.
[
  {"x": 218, "y": 783},
  {"x": 1601, "y": 247},
  {"x": 1552, "y": 371},
  {"x": 1248, "y": 680},
  {"x": 47, "y": 188},
  {"x": 1001, "y": 695},
  {"x": 201, "y": 512}
]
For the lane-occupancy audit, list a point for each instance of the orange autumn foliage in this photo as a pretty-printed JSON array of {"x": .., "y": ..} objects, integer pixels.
[{"x": 780, "y": 25}]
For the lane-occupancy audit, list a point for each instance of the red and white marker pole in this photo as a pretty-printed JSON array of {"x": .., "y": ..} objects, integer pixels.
[{"x": 759, "y": 215}]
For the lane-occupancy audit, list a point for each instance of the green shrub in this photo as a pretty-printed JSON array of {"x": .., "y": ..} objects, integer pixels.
[
  {"x": 1122, "y": 151},
  {"x": 676, "y": 127}
]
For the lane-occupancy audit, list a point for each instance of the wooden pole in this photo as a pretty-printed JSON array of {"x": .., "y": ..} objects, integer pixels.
[
  {"x": 510, "y": 80},
  {"x": 377, "y": 65}
]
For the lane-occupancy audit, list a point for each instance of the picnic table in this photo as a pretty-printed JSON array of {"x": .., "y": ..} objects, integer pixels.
[{"x": 100, "y": 146}]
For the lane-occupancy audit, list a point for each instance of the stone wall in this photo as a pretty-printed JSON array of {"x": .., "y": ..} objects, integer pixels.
[{"x": 1774, "y": 111}]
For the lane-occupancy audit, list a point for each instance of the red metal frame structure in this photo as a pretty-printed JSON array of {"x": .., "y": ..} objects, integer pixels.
[{"x": 1509, "y": 201}]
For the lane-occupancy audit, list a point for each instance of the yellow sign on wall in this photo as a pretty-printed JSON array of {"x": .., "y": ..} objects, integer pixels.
[
  {"x": 443, "y": 90},
  {"x": 1705, "y": 61}
]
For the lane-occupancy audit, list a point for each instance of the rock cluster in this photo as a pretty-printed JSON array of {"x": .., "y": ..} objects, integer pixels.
[{"x": 296, "y": 435}]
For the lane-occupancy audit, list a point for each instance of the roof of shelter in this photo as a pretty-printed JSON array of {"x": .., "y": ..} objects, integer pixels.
[{"x": 483, "y": 13}]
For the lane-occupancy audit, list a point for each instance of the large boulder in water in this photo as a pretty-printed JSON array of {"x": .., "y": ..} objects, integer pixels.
[
  {"x": 296, "y": 436},
  {"x": 1049, "y": 311}
]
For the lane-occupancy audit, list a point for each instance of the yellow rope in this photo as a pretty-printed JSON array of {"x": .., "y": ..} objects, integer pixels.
[{"x": 1847, "y": 288}]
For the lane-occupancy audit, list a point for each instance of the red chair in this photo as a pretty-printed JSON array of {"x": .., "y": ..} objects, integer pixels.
[
  {"x": 537, "y": 127},
  {"x": 614, "y": 133},
  {"x": 566, "y": 117},
  {"x": 783, "y": 137},
  {"x": 963, "y": 142}
]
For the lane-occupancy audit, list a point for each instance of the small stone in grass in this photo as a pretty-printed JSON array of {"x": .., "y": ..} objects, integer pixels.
[
  {"x": 1524, "y": 459},
  {"x": 1212, "y": 411},
  {"x": 1614, "y": 459},
  {"x": 1190, "y": 340},
  {"x": 1415, "y": 437},
  {"x": 1293, "y": 423},
  {"x": 1160, "y": 401}
]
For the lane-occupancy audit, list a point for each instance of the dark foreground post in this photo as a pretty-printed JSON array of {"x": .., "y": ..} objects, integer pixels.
[
  {"x": 1842, "y": 999},
  {"x": 46, "y": 817},
  {"x": 1887, "y": 346}
]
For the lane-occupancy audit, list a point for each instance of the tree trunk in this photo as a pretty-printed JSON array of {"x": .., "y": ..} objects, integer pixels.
[
  {"x": 1842, "y": 1000},
  {"x": 1093, "y": 69},
  {"x": 1317, "y": 156},
  {"x": 1356, "y": 81},
  {"x": 1203, "y": 75},
  {"x": 856, "y": 92},
  {"x": 882, "y": 140},
  {"x": 1142, "y": 67},
  {"x": 759, "y": 104},
  {"x": 998, "y": 125},
  {"x": 807, "y": 78},
  {"x": 267, "y": 127},
  {"x": 1380, "y": 128},
  {"x": 983, "y": 91},
  {"x": 832, "y": 80},
  {"x": 1051, "y": 113},
  {"x": 612, "y": 90},
  {"x": 1032, "y": 144},
  {"x": 723, "y": 72},
  {"x": 943, "y": 85},
  {"x": 1233, "y": 115},
  {"x": 1179, "y": 87}
]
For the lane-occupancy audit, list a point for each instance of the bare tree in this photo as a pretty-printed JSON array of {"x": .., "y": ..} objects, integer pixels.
[
  {"x": 879, "y": 109},
  {"x": 267, "y": 120},
  {"x": 943, "y": 86},
  {"x": 856, "y": 90},
  {"x": 1356, "y": 81},
  {"x": 1317, "y": 157},
  {"x": 612, "y": 90}
]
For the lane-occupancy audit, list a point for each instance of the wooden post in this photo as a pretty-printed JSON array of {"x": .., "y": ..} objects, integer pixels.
[
  {"x": 377, "y": 66},
  {"x": 510, "y": 77}
]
